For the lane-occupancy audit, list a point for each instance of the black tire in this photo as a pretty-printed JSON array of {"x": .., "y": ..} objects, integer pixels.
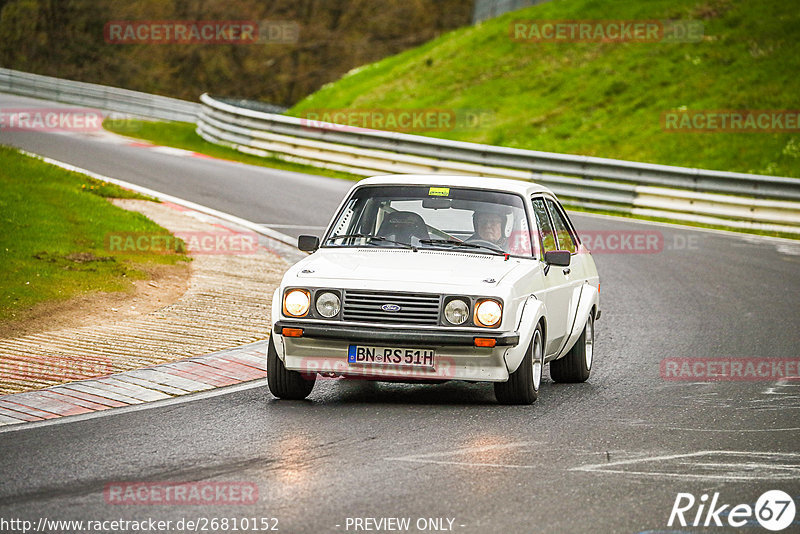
[
  {"x": 523, "y": 384},
  {"x": 577, "y": 364},
  {"x": 283, "y": 383}
]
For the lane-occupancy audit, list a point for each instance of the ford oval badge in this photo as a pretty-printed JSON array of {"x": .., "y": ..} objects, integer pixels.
[{"x": 390, "y": 308}]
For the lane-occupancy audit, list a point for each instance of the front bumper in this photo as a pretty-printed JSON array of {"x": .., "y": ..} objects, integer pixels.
[
  {"x": 393, "y": 335},
  {"x": 323, "y": 348}
]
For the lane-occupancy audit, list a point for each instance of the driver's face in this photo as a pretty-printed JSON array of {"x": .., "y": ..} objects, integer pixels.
[{"x": 490, "y": 228}]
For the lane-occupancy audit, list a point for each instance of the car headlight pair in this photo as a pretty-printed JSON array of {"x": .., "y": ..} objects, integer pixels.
[
  {"x": 296, "y": 303},
  {"x": 488, "y": 312}
]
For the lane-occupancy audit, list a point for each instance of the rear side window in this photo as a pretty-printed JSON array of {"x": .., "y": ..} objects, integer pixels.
[
  {"x": 566, "y": 240},
  {"x": 546, "y": 236}
]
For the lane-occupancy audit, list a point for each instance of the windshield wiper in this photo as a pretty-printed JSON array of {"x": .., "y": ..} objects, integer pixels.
[
  {"x": 372, "y": 238},
  {"x": 457, "y": 243}
]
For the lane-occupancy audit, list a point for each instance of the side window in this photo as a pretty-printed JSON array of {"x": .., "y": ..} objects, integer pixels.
[
  {"x": 546, "y": 235},
  {"x": 565, "y": 238}
]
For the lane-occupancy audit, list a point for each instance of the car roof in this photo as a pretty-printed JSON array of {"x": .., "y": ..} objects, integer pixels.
[{"x": 520, "y": 187}]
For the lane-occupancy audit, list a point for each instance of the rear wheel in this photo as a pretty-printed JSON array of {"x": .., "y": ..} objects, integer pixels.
[
  {"x": 283, "y": 383},
  {"x": 523, "y": 384},
  {"x": 577, "y": 364}
]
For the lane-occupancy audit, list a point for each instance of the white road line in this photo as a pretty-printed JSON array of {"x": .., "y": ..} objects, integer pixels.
[
  {"x": 731, "y": 430},
  {"x": 788, "y": 381},
  {"x": 465, "y": 464},
  {"x": 693, "y": 476},
  {"x": 110, "y": 391},
  {"x": 427, "y": 457},
  {"x": 293, "y": 242},
  {"x": 734, "y": 431},
  {"x": 746, "y": 465},
  {"x": 765, "y": 467},
  {"x": 172, "y": 151},
  {"x": 274, "y": 234},
  {"x": 691, "y": 454}
]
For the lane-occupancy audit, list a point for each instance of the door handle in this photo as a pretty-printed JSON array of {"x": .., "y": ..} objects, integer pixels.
[{"x": 566, "y": 271}]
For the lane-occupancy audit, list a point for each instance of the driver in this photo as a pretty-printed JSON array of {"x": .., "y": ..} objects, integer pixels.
[{"x": 488, "y": 227}]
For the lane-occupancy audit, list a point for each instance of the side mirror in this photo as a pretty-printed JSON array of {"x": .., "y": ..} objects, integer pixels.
[
  {"x": 560, "y": 258},
  {"x": 308, "y": 243}
]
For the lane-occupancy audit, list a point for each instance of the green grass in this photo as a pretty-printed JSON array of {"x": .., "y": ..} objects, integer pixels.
[
  {"x": 53, "y": 232},
  {"x": 183, "y": 135},
  {"x": 602, "y": 99}
]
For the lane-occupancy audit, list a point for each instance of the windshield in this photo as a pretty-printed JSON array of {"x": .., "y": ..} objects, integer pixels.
[{"x": 488, "y": 222}]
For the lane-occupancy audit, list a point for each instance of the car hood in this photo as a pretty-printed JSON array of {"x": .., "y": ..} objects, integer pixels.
[{"x": 424, "y": 266}]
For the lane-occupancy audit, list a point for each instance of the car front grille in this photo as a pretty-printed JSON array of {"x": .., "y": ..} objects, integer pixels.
[{"x": 414, "y": 308}]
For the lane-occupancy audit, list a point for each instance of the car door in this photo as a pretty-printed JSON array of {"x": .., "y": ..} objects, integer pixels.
[
  {"x": 556, "y": 291},
  {"x": 574, "y": 274}
]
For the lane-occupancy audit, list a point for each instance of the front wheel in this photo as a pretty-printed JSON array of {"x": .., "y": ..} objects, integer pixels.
[
  {"x": 283, "y": 383},
  {"x": 577, "y": 364},
  {"x": 523, "y": 384}
]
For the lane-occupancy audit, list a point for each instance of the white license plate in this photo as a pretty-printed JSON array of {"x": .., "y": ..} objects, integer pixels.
[{"x": 391, "y": 356}]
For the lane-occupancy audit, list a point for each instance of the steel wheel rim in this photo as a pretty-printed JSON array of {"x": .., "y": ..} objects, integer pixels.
[
  {"x": 589, "y": 346},
  {"x": 536, "y": 359}
]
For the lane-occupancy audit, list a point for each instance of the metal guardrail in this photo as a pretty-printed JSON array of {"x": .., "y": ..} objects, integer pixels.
[
  {"x": 731, "y": 199},
  {"x": 101, "y": 97},
  {"x": 748, "y": 201}
]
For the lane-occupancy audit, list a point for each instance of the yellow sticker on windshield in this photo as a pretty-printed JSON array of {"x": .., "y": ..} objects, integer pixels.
[{"x": 439, "y": 192}]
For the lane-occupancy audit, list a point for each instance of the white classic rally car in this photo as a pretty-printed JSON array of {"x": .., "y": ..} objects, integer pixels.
[{"x": 438, "y": 278}]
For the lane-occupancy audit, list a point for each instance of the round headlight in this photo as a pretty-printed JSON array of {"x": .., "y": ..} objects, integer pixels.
[
  {"x": 328, "y": 304},
  {"x": 296, "y": 302},
  {"x": 488, "y": 312},
  {"x": 456, "y": 311}
]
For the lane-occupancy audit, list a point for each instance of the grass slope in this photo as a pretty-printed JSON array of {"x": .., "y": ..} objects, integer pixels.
[
  {"x": 603, "y": 99},
  {"x": 53, "y": 228}
]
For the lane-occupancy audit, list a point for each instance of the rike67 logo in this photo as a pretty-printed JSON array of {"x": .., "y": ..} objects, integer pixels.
[{"x": 774, "y": 510}]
